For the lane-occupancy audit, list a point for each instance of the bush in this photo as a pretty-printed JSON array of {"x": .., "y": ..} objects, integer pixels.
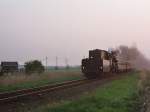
[{"x": 34, "y": 67}]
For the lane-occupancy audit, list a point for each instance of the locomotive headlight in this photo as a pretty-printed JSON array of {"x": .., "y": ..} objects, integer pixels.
[
  {"x": 83, "y": 67},
  {"x": 100, "y": 67}
]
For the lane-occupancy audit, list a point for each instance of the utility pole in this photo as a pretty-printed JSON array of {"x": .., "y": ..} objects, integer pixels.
[
  {"x": 66, "y": 62},
  {"x": 56, "y": 67},
  {"x": 46, "y": 63}
]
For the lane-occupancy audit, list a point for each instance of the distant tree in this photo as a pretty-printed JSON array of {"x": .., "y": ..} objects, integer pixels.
[{"x": 34, "y": 67}]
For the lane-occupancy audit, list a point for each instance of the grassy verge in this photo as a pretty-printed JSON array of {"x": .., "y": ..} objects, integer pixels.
[
  {"x": 16, "y": 82},
  {"x": 117, "y": 96},
  {"x": 144, "y": 90}
]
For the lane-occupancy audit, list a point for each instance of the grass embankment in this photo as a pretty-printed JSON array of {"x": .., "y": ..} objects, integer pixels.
[
  {"x": 22, "y": 81},
  {"x": 117, "y": 96}
]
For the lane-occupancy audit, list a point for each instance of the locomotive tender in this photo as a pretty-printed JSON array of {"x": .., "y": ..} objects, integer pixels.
[{"x": 101, "y": 61}]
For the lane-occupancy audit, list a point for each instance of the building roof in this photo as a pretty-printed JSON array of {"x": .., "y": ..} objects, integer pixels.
[{"x": 9, "y": 63}]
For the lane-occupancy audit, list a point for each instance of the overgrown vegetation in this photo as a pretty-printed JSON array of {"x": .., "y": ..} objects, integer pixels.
[
  {"x": 144, "y": 90},
  {"x": 23, "y": 81},
  {"x": 144, "y": 81},
  {"x": 117, "y": 96}
]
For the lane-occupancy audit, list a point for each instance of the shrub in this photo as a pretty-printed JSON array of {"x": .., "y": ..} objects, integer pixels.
[{"x": 34, "y": 67}]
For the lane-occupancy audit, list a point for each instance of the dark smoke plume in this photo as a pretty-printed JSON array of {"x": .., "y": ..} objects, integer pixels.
[{"x": 134, "y": 56}]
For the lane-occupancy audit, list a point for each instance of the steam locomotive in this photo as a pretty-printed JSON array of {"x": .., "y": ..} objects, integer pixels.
[{"x": 101, "y": 61}]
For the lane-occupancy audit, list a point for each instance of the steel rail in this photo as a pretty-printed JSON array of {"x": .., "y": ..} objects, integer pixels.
[{"x": 11, "y": 96}]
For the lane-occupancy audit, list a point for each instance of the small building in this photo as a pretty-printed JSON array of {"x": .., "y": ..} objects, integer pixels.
[{"x": 9, "y": 67}]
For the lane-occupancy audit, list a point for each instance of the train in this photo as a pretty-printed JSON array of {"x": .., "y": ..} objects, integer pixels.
[{"x": 101, "y": 61}]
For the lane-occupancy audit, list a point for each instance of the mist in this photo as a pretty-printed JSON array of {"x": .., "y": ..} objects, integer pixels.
[{"x": 36, "y": 29}]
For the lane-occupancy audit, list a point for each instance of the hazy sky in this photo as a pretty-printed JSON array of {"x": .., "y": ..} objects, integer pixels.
[{"x": 34, "y": 29}]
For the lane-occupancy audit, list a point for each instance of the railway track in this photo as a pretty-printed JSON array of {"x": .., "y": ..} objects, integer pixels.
[
  {"x": 25, "y": 93},
  {"x": 20, "y": 94}
]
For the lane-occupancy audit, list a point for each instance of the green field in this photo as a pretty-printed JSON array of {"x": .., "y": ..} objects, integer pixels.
[
  {"x": 117, "y": 96},
  {"x": 22, "y": 81}
]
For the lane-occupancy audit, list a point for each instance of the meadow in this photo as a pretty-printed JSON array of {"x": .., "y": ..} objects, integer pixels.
[{"x": 12, "y": 82}]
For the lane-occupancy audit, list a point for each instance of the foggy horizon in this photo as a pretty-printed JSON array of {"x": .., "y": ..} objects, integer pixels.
[{"x": 34, "y": 29}]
